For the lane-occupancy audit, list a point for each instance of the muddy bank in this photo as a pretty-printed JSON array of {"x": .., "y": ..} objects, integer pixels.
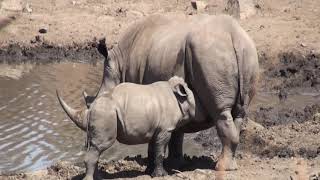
[
  {"x": 296, "y": 70},
  {"x": 45, "y": 52},
  {"x": 133, "y": 168}
]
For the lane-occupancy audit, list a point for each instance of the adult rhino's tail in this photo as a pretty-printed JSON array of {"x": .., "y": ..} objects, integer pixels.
[
  {"x": 248, "y": 66},
  {"x": 77, "y": 116}
]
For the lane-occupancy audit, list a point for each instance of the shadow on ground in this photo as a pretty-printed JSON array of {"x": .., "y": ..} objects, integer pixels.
[{"x": 133, "y": 167}]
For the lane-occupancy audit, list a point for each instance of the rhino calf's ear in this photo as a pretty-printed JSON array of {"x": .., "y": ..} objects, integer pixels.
[{"x": 180, "y": 89}]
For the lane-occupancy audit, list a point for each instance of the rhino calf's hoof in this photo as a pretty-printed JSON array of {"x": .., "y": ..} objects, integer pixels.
[{"x": 158, "y": 172}]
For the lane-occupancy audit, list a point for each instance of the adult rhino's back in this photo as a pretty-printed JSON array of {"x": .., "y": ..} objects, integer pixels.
[{"x": 153, "y": 49}]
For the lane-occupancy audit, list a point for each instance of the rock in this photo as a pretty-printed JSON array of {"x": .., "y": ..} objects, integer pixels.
[
  {"x": 36, "y": 39},
  {"x": 283, "y": 94},
  {"x": 237, "y": 8},
  {"x": 27, "y": 8},
  {"x": 316, "y": 117},
  {"x": 233, "y": 8},
  {"x": 199, "y": 5},
  {"x": 194, "y": 4},
  {"x": 43, "y": 30},
  {"x": 303, "y": 45}
]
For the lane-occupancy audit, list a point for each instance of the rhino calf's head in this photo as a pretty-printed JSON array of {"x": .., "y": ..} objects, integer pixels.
[{"x": 79, "y": 117}]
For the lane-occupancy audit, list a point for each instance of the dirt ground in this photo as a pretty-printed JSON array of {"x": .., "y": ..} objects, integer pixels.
[{"x": 280, "y": 142}]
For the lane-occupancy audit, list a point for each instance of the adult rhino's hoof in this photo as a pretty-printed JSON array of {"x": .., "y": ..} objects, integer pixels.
[
  {"x": 158, "y": 172},
  {"x": 88, "y": 178},
  {"x": 177, "y": 163},
  {"x": 226, "y": 164},
  {"x": 149, "y": 170}
]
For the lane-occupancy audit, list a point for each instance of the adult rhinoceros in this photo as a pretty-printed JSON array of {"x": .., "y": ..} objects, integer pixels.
[{"x": 213, "y": 54}]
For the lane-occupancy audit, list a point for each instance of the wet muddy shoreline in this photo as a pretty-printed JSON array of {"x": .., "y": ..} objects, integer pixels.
[{"x": 45, "y": 52}]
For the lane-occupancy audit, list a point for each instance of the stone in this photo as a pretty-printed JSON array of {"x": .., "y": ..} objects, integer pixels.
[
  {"x": 27, "y": 8},
  {"x": 43, "y": 30},
  {"x": 199, "y": 5}
]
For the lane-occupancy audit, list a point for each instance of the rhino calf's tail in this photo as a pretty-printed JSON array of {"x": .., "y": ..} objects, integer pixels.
[{"x": 77, "y": 116}]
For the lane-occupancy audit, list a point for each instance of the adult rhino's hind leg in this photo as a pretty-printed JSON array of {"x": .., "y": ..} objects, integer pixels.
[
  {"x": 176, "y": 159},
  {"x": 151, "y": 155},
  {"x": 229, "y": 137}
]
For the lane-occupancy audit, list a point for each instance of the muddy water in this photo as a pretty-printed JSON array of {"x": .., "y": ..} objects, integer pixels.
[{"x": 34, "y": 130}]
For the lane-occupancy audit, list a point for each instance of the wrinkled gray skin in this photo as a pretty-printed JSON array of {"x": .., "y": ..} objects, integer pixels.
[
  {"x": 213, "y": 54},
  {"x": 135, "y": 114}
]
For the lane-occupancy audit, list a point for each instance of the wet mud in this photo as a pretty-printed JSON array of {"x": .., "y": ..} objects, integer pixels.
[
  {"x": 45, "y": 52},
  {"x": 295, "y": 71}
]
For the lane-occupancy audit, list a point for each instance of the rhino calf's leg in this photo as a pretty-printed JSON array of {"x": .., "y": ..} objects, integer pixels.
[
  {"x": 160, "y": 142},
  {"x": 229, "y": 137},
  {"x": 91, "y": 163}
]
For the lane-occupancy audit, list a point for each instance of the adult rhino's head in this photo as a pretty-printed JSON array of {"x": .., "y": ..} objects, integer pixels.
[{"x": 184, "y": 96}]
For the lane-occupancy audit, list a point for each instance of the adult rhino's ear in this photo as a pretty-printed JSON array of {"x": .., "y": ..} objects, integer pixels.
[
  {"x": 88, "y": 99},
  {"x": 102, "y": 47}
]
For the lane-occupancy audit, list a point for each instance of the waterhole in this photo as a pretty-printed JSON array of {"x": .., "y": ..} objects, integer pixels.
[{"x": 34, "y": 130}]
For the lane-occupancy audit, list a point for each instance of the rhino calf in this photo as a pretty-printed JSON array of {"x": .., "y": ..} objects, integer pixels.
[{"x": 135, "y": 114}]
